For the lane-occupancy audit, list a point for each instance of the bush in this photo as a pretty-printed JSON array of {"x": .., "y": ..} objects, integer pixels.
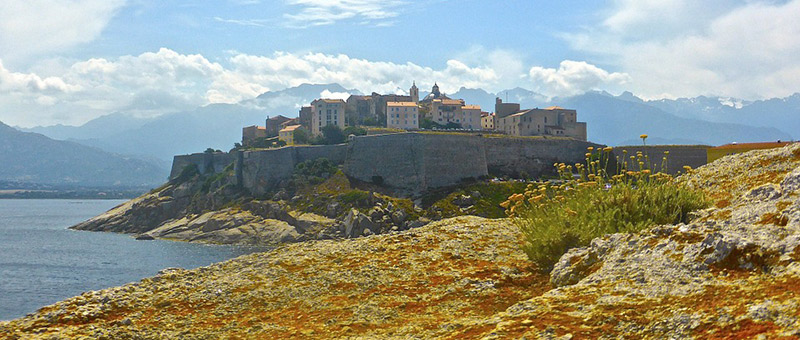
[
  {"x": 312, "y": 172},
  {"x": 558, "y": 215},
  {"x": 355, "y": 130}
]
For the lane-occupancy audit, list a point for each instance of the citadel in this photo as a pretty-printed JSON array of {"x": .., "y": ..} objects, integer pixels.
[{"x": 410, "y": 113}]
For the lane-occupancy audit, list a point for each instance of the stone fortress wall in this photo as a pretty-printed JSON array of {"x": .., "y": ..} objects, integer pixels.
[{"x": 407, "y": 162}]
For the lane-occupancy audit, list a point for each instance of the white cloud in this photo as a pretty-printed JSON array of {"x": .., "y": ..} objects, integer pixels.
[
  {"x": 334, "y": 95},
  {"x": 744, "y": 49},
  {"x": 154, "y": 83},
  {"x": 572, "y": 78},
  {"x": 326, "y": 12},
  {"x": 29, "y": 27}
]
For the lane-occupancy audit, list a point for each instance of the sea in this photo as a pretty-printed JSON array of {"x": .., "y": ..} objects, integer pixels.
[{"x": 43, "y": 262}]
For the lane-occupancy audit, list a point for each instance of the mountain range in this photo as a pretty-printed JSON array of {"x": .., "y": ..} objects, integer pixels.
[
  {"x": 27, "y": 157},
  {"x": 611, "y": 120}
]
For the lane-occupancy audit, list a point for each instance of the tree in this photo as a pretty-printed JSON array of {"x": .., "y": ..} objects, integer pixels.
[
  {"x": 301, "y": 136},
  {"x": 332, "y": 134}
]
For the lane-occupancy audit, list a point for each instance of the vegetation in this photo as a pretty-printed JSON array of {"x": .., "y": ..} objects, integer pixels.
[
  {"x": 355, "y": 130},
  {"x": 558, "y": 215},
  {"x": 487, "y": 202},
  {"x": 331, "y": 134},
  {"x": 312, "y": 172},
  {"x": 301, "y": 136}
]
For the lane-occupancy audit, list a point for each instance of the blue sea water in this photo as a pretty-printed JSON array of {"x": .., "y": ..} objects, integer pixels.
[{"x": 42, "y": 262}]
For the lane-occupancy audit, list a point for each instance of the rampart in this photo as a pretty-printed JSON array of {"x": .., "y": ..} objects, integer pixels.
[
  {"x": 679, "y": 155},
  {"x": 407, "y": 162},
  {"x": 207, "y": 162}
]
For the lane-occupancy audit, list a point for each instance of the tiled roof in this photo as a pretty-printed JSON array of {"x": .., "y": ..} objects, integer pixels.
[
  {"x": 290, "y": 128},
  {"x": 401, "y": 104}
]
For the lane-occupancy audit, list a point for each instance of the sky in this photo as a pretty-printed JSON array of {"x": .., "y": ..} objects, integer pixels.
[{"x": 69, "y": 61}]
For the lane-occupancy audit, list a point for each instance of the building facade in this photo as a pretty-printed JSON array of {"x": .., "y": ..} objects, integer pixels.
[
  {"x": 552, "y": 121},
  {"x": 402, "y": 115},
  {"x": 327, "y": 112},
  {"x": 250, "y": 133},
  {"x": 273, "y": 125},
  {"x": 305, "y": 117},
  {"x": 488, "y": 121},
  {"x": 444, "y": 111},
  {"x": 287, "y": 134}
]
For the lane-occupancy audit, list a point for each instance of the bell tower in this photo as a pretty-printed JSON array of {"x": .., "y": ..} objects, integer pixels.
[{"x": 414, "y": 92}]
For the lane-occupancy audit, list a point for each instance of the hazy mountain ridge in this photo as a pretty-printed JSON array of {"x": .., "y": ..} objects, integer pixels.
[
  {"x": 34, "y": 158},
  {"x": 612, "y": 120}
]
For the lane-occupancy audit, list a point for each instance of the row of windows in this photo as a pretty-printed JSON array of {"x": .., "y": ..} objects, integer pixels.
[
  {"x": 397, "y": 109},
  {"x": 397, "y": 122},
  {"x": 397, "y": 115}
]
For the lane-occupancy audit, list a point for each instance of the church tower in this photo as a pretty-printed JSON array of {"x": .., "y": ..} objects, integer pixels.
[
  {"x": 435, "y": 90},
  {"x": 414, "y": 92}
]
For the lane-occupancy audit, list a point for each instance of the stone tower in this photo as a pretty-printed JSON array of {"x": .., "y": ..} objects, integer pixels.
[
  {"x": 414, "y": 92},
  {"x": 435, "y": 90}
]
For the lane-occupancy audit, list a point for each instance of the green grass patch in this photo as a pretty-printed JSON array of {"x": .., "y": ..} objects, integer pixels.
[
  {"x": 558, "y": 215},
  {"x": 491, "y": 194}
]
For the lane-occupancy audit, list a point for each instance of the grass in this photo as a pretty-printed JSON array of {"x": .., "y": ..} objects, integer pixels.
[
  {"x": 488, "y": 205},
  {"x": 588, "y": 202}
]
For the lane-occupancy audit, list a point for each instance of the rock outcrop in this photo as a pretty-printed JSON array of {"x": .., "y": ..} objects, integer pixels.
[{"x": 734, "y": 272}]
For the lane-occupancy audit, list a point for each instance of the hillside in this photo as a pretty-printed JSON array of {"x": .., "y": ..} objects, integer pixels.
[
  {"x": 33, "y": 158},
  {"x": 732, "y": 273}
]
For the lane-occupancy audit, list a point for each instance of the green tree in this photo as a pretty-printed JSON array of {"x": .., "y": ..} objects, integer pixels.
[
  {"x": 332, "y": 134},
  {"x": 301, "y": 136}
]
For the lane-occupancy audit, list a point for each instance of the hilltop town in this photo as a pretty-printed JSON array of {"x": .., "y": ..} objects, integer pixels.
[{"x": 396, "y": 112}]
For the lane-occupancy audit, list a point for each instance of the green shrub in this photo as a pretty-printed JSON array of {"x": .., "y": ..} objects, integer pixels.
[
  {"x": 354, "y": 197},
  {"x": 558, "y": 215}
]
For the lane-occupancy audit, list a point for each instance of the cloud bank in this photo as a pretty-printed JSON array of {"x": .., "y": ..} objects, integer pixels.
[
  {"x": 30, "y": 27},
  {"x": 744, "y": 49},
  {"x": 153, "y": 83}
]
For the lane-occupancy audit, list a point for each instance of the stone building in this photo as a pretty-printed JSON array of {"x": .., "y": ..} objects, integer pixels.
[
  {"x": 274, "y": 124},
  {"x": 402, "y": 115},
  {"x": 304, "y": 117},
  {"x": 360, "y": 109},
  {"x": 287, "y": 134},
  {"x": 250, "y": 133},
  {"x": 552, "y": 121},
  {"x": 444, "y": 111},
  {"x": 435, "y": 94},
  {"x": 327, "y": 112},
  {"x": 488, "y": 121}
]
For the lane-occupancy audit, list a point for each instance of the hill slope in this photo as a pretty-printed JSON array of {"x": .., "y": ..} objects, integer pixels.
[{"x": 34, "y": 158}]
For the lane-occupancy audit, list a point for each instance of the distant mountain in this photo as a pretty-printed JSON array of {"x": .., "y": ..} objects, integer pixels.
[
  {"x": 28, "y": 157},
  {"x": 100, "y": 127},
  {"x": 216, "y": 126},
  {"x": 779, "y": 113},
  {"x": 476, "y": 97},
  {"x": 614, "y": 121},
  {"x": 287, "y": 102}
]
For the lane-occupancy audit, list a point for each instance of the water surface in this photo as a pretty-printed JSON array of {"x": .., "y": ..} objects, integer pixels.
[{"x": 42, "y": 262}]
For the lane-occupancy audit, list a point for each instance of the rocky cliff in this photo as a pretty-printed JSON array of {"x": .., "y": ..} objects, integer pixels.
[{"x": 732, "y": 273}]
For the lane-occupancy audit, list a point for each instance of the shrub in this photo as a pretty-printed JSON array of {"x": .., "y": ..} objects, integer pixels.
[
  {"x": 566, "y": 213},
  {"x": 354, "y": 197},
  {"x": 312, "y": 172}
]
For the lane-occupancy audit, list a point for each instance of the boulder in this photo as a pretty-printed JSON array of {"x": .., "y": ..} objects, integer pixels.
[{"x": 355, "y": 223}]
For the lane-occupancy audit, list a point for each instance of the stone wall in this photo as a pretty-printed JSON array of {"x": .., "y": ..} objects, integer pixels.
[
  {"x": 408, "y": 162},
  {"x": 205, "y": 162},
  {"x": 679, "y": 155},
  {"x": 531, "y": 156}
]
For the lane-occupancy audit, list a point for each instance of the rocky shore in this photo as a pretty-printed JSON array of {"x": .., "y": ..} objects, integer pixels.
[{"x": 732, "y": 273}]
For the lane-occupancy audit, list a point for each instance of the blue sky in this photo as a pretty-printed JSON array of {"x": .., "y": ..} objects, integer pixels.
[{"x": 68, "y": 61}]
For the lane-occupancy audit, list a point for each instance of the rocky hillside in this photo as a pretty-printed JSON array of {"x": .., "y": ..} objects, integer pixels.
[{"x": 732, "y": 273}]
